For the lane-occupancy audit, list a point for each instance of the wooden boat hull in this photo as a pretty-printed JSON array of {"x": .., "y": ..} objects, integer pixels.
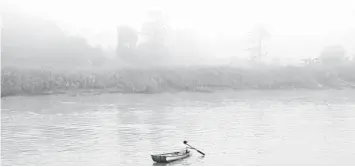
[{"x": 169, "y": 157}]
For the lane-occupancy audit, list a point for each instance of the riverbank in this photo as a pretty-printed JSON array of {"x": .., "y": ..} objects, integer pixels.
[{"x": 28, "y": 82}]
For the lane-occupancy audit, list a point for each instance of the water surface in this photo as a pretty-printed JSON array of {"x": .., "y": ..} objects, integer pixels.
[{"x": 240, "y": 128}]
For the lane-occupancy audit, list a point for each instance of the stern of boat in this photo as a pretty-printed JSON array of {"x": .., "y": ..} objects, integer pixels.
[{"x": 157, "y": 158}]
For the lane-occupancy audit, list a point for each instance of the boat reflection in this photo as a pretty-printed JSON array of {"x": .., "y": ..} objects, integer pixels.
[
  {"x": 182, "y": 162},
  {"x": 160, "y": 164}
]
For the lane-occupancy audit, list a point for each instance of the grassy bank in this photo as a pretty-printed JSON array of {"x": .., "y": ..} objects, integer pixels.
[{"x": 19, "y": 81}]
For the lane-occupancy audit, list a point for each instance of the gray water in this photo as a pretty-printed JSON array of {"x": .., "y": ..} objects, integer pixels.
[{"x": 240, "y": 128}]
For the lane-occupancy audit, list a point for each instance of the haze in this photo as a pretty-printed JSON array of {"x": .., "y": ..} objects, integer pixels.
[{"x": 290, "y": 22}]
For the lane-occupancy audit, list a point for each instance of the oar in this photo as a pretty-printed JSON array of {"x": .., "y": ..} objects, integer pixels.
[{"x": 185, "y": 142}]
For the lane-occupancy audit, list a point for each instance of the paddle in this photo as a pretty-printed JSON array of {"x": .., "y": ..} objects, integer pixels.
[{"x": 185, "y": 142}]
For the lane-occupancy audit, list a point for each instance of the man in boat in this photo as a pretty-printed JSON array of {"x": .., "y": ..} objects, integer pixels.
[{"x": 184, "y": 150}]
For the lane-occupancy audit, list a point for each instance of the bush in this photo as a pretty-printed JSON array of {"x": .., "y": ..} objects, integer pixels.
[{"x": 16, "y": 81}]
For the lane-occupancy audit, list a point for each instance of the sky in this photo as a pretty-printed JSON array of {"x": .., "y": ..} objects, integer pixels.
[{"x": 211, "y": 18}]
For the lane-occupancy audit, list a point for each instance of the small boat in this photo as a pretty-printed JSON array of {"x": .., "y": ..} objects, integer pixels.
[{"x": 169, "y": 157}]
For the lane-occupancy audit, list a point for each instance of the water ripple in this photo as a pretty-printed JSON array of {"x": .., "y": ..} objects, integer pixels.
[{"x": 234, "y": 129}]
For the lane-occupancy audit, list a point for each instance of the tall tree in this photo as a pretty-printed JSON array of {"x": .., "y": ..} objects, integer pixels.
[
  {"x": 154, "y": 35},
  {"x": 258, "y": 36},
  {"x": 127, "y": 38},
  {"x": 32, "y": 41}
]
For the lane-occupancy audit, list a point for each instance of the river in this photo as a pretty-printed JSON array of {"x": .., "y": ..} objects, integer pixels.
[{"x": 233, "y": 128}]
